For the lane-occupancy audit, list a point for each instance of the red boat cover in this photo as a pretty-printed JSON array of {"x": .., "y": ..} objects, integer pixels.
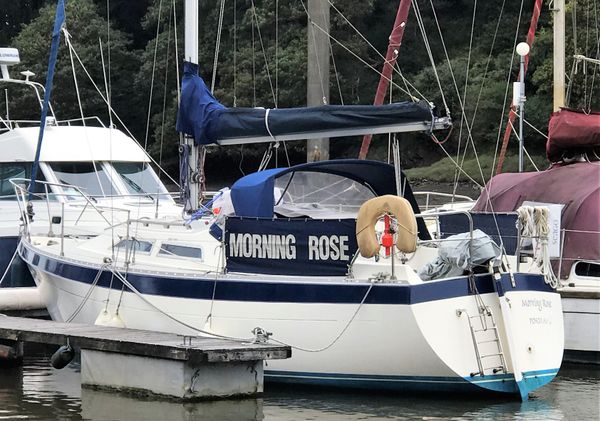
[
  {"x": 572, "y": 131},
  {"x": 577, "y": 186}
]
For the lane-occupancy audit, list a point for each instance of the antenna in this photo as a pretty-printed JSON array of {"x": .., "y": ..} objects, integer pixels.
[{"x": 8, "y": 57}]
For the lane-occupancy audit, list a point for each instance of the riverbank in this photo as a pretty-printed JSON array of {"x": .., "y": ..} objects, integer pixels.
[{"x": 444, "y": 170}]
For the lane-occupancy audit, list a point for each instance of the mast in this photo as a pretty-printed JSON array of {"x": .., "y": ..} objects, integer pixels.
[
  {"x": 187, "y": 143},
  {"x": 388, "y": 65},
  {"x": 559, "y": 54},
  {"x": 317, "y": 86}
]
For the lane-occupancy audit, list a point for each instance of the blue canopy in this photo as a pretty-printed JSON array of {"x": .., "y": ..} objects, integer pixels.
[
  {"x": 252, "y": 195},
  {"x": 207, "y": 121}
]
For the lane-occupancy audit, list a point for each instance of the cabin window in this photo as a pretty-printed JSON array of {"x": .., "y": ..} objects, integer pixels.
[
  {"x": 93, "y": 182},
  {"x": 180, "y": 251},
  {"x": 9, "y": 170},
  {"x": 587, "y": 269},
  {"x": 139, "y": 178},
  {"x": 135, "y": 245},
  {"x": 319, "y": 195}
]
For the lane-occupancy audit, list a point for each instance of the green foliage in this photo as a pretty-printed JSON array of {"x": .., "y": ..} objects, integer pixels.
[
  {"x": 445, "y": 170},
  {"x": 262, "y": 62},
  {"x": 33, "y": 43}
]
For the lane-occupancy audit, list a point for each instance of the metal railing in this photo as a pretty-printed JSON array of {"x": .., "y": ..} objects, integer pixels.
[
  {"x": 430, "y": 194},
  {"x": 21, "y": 186}
]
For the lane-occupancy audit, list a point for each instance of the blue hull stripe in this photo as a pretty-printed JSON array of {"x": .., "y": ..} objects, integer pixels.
[
  {"x": 284, "y": 292},
  {"x": 497, "y": 383}
]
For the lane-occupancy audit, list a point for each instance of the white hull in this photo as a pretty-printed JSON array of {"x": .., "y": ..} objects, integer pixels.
[
  {"x": 582, "y": 329},
  {"x": 423, "y": 346}
]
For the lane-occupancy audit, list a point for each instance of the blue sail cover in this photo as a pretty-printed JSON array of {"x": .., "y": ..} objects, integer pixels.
[
  {"x": 207, "y": 121},
  {"x": 198, "y": 108}
]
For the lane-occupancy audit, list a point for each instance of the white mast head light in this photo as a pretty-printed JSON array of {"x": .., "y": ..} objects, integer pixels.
[
  {"x": 522, "y": 49},
  {"x": 8, "y": 57}
]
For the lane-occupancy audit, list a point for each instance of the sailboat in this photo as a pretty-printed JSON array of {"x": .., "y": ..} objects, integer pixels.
[{"x": 293, "y": 256}]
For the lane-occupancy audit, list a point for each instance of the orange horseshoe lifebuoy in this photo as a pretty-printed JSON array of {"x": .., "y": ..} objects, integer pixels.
[{"x": 372, "y": 210}]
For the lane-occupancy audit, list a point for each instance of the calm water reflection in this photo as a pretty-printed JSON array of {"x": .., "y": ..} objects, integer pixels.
[{"x": 36, "y": 391}]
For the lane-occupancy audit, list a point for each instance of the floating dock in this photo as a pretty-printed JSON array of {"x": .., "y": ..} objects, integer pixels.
[{"x": 152, "y": 363}]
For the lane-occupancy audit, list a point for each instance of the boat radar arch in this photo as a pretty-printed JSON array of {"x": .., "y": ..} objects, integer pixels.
[{"x": 8, "y": 57}]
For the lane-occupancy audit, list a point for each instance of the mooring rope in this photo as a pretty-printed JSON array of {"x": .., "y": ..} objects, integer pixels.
[
  {"x": 337, "y": 338},
  {"x": 87, "y": 295}
]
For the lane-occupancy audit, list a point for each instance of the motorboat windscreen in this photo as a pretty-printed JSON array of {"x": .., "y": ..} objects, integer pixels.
[
  {"x": 90, "y": 178},
  {"x": 140, "y": 179},
  {"x": 17, "y": 170},
  {"x": 319, "y": 195}
]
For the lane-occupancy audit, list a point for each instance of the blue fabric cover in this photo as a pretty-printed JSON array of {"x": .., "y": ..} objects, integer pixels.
[
  {"x": 203, "y": 117},
  {"x": 198, "y": 108},
  {"x": 252, "y": 195}
]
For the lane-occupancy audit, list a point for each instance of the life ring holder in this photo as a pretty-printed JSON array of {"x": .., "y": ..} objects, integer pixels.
[{"x": 372, "y": 210}]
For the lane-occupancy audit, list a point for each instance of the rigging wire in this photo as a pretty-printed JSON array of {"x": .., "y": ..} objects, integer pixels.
[
  {"x": 71, "y": 48},
  {"x": 335, "y": 71},
  {"x": 421, "y": 26},
  {"x": 109, "y": 87},
  {"x": 589, "y": 106},
  {"x": 276, "y": 53},
  {"x": 156, "y": 39},
  {"x": 110, "y": 174},
  {"x": 165, "y": 89},
  {"x": 262, "y": 46},
  {"x": 512, "y": 127},
  {"x": 178, "y": 78},
  {"x": 462, "y": 107},
  {"x": 508, "y": 77},
  {"x": 467, "y": 68},
  {"x": 217, "y": 46},
  {"x": 235, "y": 53},
  {"x": 314, "y": 42},
  {"x": 87, "y": 141},
  {"x": 484, "y": 79},
  {"x": 356, "y": 56},
  {"x": 253, "y": 62}
]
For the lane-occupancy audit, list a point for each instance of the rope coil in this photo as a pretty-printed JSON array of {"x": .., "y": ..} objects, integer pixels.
[{"x": 533, "y": 221}]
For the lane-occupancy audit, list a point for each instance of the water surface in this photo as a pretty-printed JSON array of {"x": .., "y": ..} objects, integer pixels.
[{"x": 38, "y": 392}]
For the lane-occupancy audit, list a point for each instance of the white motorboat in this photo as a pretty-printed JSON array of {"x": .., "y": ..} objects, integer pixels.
[{"x": 77, "y": 156}]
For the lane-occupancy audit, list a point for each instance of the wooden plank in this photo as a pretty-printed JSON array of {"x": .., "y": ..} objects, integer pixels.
[{"x": 137, "y": 342}]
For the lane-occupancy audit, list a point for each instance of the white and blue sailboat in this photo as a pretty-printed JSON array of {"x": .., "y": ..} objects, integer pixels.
[
  {"x": 292, "y": 256},
  {"x": 354, "y": 321}
]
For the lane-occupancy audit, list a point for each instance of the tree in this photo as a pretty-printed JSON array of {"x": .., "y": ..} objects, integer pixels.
[{"x": 86, "y": 28}]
